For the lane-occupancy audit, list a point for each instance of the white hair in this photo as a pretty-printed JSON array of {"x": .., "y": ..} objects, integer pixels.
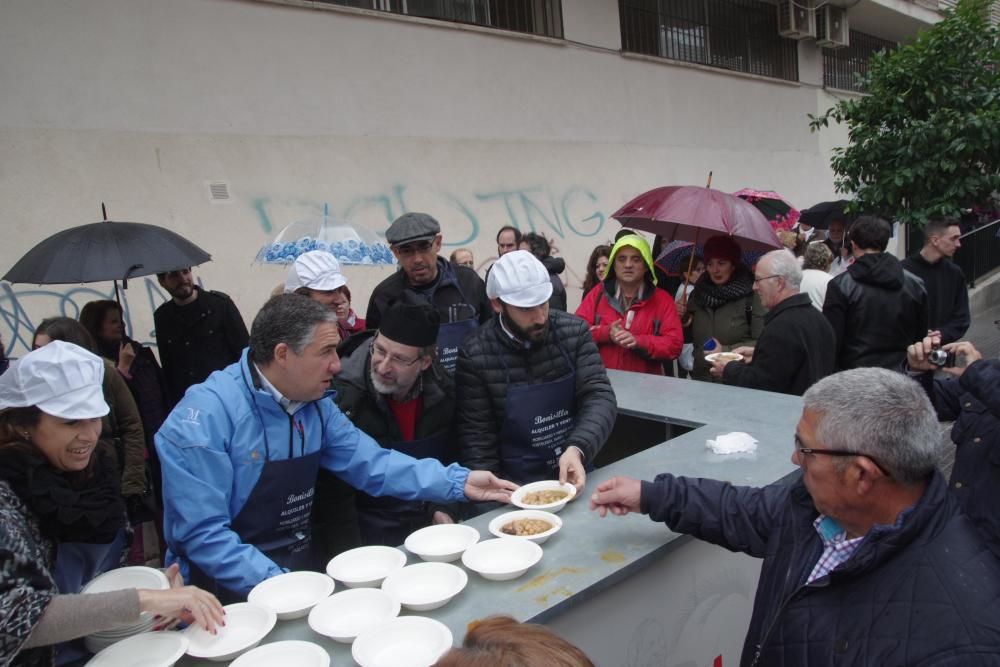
[
  {"x": 878, "y": 413},
  {"x": 785, "y": 264}
]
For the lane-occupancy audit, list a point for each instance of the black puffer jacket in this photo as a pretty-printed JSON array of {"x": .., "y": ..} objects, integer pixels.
[
  {"x": 446, "y": 294},
  {"x": 481, "y": 387},
  {"x": 876, "y": 310},
  {"x": 973, "y": 402},
  {"x": 555, "y": 266},
  {"x": 924, "y": 593}
]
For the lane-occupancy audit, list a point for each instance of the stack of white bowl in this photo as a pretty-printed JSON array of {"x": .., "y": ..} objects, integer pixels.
[{"x": 115, "y": 580}]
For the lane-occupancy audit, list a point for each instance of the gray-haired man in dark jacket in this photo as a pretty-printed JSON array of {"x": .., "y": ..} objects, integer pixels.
[{"x": 868, "y": 559}]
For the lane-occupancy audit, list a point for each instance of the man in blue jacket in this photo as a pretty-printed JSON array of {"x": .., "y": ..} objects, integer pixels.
[
  {"x": 241, "y": 452},
  {"x": 868, "y": 559}
]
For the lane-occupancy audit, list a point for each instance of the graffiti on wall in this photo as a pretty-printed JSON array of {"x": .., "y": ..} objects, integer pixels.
[
  {"x": 558, "y": 214},
  {"x": 22, "y": 308}
]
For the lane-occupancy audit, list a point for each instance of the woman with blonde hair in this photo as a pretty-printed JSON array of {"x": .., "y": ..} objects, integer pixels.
[{"x": 500, "y": 641}]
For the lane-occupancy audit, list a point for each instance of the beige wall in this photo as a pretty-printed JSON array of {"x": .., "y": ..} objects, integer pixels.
[{"x": 141, "y": 103}]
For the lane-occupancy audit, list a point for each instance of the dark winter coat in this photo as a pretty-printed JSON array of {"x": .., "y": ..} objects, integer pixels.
[
  {"x": 555, "y": 266},
  {"x": 481, "y": 387},
  {"x": 796, "y": 348},
  {"x": 924, "y": 592},
  {"x": 876, "y": 309},
  {"x": 947, "y": 295},
  {"x": 972, "y": 401},
  {"x": 446, "y": 294},
  {"x": 193, "y": 340}
]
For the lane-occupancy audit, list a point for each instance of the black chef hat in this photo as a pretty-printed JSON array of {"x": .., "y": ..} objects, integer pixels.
[{"x": 410, "y": 324}]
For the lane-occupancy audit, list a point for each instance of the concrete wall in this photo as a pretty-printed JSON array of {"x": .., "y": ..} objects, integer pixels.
[{"x": 142, "y": 103}]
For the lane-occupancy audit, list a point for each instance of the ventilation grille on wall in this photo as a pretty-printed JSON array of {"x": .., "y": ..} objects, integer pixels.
[{"x": 219, "y": 191}]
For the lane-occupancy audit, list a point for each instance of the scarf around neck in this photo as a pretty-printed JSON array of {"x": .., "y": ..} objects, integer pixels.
[{"x": 711, "y": 295}]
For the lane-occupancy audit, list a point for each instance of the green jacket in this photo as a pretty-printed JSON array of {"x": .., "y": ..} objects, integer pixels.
[{"x": 733, "y": 324}]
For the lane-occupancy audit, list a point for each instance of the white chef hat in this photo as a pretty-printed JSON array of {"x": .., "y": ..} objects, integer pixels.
[
  {"x": 60, "y": 379},
  {"x": 316, "y": 269},
  {"x": 520, "y": 279}
]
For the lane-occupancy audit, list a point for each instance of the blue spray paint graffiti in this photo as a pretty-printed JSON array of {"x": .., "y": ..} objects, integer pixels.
[
  {"x": 16, "y": 301},
  {"x": 573, "y": 212}
]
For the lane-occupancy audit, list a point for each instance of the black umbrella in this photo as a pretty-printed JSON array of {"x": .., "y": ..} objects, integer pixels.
[
  {"x": 104, "y": 251},
  {"x": 821, "y": 215}
]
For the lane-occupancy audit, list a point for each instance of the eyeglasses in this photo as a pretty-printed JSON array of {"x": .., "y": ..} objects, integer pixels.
[
  {"x": 757, "y": 280},
  {"x": 414, "y": 248},
  {"x": 799, "y": 445},
  {"x": 379, "y": 354}
]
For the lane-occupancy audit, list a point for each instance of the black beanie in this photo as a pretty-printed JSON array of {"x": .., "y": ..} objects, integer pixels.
[{"x": 407, "y": 324}]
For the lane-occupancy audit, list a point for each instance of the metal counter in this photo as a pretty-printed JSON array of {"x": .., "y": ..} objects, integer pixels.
[{"x": 625, "y": 589}]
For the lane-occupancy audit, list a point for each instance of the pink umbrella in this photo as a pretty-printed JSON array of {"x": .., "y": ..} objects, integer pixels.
[
  {"x": 775, "y": 208},
  {"x": 692, "y": 213}
]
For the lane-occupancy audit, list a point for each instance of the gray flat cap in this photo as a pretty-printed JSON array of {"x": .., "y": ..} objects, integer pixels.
[{"x": 411, "y": 227}]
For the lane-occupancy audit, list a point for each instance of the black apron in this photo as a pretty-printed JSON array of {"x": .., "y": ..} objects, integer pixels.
[
  {"x": 276, "y": 517},
  {"x": 537, "y": 419},
  {"x": 453, "y": 332},
  {"x": 388, "y": 521}
]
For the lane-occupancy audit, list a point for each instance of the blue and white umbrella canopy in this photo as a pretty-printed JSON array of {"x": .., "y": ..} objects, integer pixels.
[{"x": 349, "y": 243}]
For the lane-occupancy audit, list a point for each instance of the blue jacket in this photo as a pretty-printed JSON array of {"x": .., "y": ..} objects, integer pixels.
[
  {"x": 212, "y": 450},
  {"x": 972, "y": 401},
  {"x": 924, "y": 592}
]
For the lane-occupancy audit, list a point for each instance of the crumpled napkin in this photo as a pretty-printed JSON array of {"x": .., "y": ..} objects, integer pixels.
[{"x": 736, "y": 442}]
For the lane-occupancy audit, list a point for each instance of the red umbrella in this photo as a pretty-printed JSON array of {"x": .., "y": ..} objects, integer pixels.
[{"x": 692, "y": 213}]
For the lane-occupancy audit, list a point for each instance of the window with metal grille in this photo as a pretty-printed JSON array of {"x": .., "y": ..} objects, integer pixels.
[
  {"x": 739, "y": 35},
  {"x": 840, "y": 66},
  {"x": 537, "y": 17}
]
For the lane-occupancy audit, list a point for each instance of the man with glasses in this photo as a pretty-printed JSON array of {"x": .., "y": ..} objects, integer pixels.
[
  {"x": 797, "y": 346},
  {"x": 868, "y": 559},
  {"x": 456, "y": 292},
  {"x": 395, "y": 391}
]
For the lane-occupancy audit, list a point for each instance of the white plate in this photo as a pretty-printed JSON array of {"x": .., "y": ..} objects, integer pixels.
[
  {"x": 365, "y": 566},
  {"x": 410, "y": 641},
  {"x": 502, "y": 559},
  {"x": 516, "y": 498},
  {"x": 150, "y": 649},
  {"x": 426, "y": 586},
  {"x": 499, "y": 522},
  {"x": 293, "y": 594},
  {"x": 731, "y": 356},
  {"x": 123, "y": 631},
  {"x": 347, "y": 614},
  {"x": 297, "y": 653},
  {"x": 246, "y": 625},
  {"x": 128, "y": 577},
  {"x": 441, "y": 543}
]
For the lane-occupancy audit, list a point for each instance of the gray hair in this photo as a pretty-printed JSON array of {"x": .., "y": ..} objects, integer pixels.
[
  {"x": 287, "y": 318},
  {"x": 817, "y": 256},
  {"x": 785, "y": 264},
  {"x": 878, "y": 413}
]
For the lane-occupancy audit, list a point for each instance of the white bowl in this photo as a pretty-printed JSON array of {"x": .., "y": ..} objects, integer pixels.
[
  {"x": 365, "y": 566},
  {"x": 293, "y": 594},
  {"x": 297, "y": 653},
  {"x": 409, "y": 641},
  {"x": 150, "y": 649},
  {"x": 516, "y": 498},
  {"x": 246, "y": 625},
  {"x": 723, "y": 356},
  {"x": 347, "y": 614},
  {"x": 426, "y": 586},
  {"x": 499, "y": 522},
  {"x": 128, "y": 577},
  {"x": 441, "y": 543},
  {"x": 501, "y": 560}
]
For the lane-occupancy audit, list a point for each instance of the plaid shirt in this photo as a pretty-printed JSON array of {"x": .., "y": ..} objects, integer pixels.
[{"x": 837, "y": 548}]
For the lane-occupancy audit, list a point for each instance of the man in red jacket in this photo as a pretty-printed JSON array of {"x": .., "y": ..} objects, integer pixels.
[{"x": 635, "y": 325}]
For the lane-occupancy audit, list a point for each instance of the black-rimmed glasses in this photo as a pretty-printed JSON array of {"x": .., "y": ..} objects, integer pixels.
[
  {"x": 799, "y": 445},
  {"x": 757, "y": 280}
]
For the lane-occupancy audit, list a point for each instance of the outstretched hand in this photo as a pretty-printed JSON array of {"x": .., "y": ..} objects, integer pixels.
[
  {"x": 484, "y": 486},
  {"x": 618, "y": 495},
  {"x": 571, "y": 469},
  {"x": 189, "y": 604}
]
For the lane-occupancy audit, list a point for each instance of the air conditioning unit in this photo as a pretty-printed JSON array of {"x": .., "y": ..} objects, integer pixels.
[
  {"x": 832, "y": 28},
  {"x": 796, "y": 19}
]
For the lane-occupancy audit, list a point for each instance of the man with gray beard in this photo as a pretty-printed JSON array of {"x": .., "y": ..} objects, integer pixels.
[{"x": 392, "y": 388}]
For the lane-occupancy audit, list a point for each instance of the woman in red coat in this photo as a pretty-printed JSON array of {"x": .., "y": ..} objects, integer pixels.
[{"x": 634, "y": 324}]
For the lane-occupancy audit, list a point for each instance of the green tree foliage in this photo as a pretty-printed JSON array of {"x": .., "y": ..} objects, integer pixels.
[{"x": 925, "y": 141}]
